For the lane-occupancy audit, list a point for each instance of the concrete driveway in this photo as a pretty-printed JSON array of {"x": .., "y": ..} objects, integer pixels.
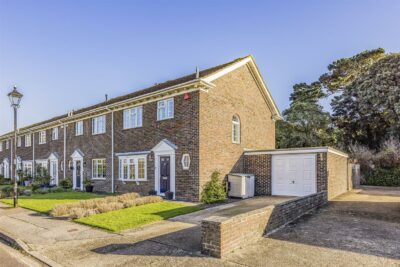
[
  {"x": 360, "y": 228},
  {"x": 357, "y": 229}
]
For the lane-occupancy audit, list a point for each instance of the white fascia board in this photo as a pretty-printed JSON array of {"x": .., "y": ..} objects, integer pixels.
[
  {"x": 247, "y": 60},
  {"x": 298, "y": 151},
  {"x": 226, "y": 70},
  {"x": 186, "y": 87}
]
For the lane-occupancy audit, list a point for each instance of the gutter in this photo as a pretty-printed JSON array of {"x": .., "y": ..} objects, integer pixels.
[{"x": 70, "y": 117}]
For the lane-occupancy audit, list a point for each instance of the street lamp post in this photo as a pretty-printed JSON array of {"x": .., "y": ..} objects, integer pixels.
[{"x": 15, "y": 99}]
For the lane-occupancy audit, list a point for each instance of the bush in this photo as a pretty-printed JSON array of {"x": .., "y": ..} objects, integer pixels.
[
  {"x": 35, "y": 186},
  {"x": 384, "y": 177},
  {"x": 89, "y": 207},
  {"x": 66, "y": 183},
  {"x": 214, "y": 191},
  {"x": 8, "y": 191}
]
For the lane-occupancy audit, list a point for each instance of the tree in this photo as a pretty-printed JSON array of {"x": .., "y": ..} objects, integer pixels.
[
  {"x": 367, "y": 107},
  {"x": 305, "y": 122}
]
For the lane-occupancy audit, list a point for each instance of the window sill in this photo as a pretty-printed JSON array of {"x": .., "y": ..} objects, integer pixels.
[
  {"x": 138, "y": 127},
  {"x": 98, "y": 133},
  {"x": 130, "y": 180},
  {"x": 165, "y": 119},
  {"x": 42, "y": 143},
  {"x": 99, "y": 179}
]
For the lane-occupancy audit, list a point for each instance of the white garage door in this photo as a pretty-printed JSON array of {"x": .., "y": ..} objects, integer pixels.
[{"x": 293, "y": 175}]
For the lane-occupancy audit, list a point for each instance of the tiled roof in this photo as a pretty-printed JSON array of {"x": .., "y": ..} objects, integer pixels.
[{"x": 151, "y": 89}]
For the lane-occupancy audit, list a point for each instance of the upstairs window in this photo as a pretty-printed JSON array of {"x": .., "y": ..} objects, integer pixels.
[
  {"x": 1, "y": 146},
  {"x": 133, "y": 117},
  {"x": 165, "y": 109},
  {"x": 7, "y": 144},
  {"x": 42, "y": 137},
  {"x": 79, "y": 128},
  {"x": 99, "y": 125},
  {"x": 235, "y": 130},
  {"x": 99, "y": 168},
  {"x": 19, "y": 141},
  {"x": 54, "y": 134},
  {"x": 28, "y": 140}
]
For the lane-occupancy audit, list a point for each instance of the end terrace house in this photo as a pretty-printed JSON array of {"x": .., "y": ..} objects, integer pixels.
[{"x": 169, "y": 137}]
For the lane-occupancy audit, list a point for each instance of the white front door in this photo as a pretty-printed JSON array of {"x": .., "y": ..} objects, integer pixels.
[
  {"x": 294, "y": 175},
  {"x": 54, "y": 172}
]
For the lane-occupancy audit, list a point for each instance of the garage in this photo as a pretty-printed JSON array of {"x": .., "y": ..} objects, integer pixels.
[
  {"x": 294, "y": 174},
  {"x": 299, "y": 171}
]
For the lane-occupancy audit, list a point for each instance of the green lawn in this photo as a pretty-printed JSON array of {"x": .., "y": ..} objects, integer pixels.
[
  {"x": 137, "y": 216},
  {"x": 46, "y": 202}
]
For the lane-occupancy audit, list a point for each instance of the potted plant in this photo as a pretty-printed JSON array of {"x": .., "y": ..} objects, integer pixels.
[
  {"x": 66, "y": 183},
  {"x": 169, "y": 195},
  {"x": 88, "y": 183},
  {"x": 152, "y": 192}
]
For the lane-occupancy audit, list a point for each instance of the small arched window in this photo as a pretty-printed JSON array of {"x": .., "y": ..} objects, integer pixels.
[{"x": 235, "y": 129}]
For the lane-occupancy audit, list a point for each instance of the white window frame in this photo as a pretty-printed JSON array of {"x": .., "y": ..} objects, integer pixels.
[
  {"x": 95, "y": 174},
  {"x": 27, "y": 168},
  {"x": 129, "y": 160},
  {"x": 165, "y": 109},
  {"x": 19, "y": 141},
  {"x": 54, "y": 133},
  {"x": 28, "y": 140},
  {"x": 78, "y": 128},
  {"x": 42, "y": 137},
  {"x": 133, "y": 117},
  {"x": 7, "y": 144},
  {"x": 43, "y": 163},
  {"x": 236, "y": 128},
  {"x": 1, "y": 146},
  {"x": 99, "y": 125},
  {"x": 185, "y": 161}
]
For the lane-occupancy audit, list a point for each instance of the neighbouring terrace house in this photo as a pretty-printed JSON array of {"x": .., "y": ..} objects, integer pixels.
[{"x": 172, "y": 136}]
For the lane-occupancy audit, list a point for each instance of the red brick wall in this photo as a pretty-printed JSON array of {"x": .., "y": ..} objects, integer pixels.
[
  {"x": 221, "y": 235},
  {"x": 236, "y": 93}
]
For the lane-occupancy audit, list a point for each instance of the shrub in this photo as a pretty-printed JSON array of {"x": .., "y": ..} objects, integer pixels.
[
  {"x": 8, "y": 191},
  {"x": 214, "y": 190},
  {"x": 384, "y": 177},
  {"x": 89, "y": 207},
  {"x": 66, "y": 183},
  {"x": 35, "y": 185},
  {"x": 389, "y": 155}
]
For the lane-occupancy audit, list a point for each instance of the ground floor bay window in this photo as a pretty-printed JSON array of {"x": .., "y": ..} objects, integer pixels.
[{"x": 133, "y": 168}]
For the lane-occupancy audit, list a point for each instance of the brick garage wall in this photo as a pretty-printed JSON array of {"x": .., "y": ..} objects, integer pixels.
[
  {"x": 236, "y": 93},
  {"x": 322, "y": 171},
  {"x": 339, "y": 177},
  {"x": 221, "y": 235},
  {"x": 260, "y": 166}
]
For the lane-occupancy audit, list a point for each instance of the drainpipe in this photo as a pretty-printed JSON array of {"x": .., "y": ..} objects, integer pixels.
[
  {"x": 112, "y": 152},
  {"x": 65, "y": 150},
  {"x": 33, "y": 156},
  {"x": 11, "y": 172}
]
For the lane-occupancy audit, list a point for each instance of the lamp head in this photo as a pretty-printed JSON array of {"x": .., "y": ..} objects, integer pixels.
[{"x": 15, "y": 97}]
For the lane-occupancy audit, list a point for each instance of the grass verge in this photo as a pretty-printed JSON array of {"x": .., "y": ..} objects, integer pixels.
[
  {"x": 46, "y": 202},
  {"x": 128, "y": 218}
]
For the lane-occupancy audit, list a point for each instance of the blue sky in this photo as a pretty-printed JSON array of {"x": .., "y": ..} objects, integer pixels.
[{"x": 64, "y": 55}]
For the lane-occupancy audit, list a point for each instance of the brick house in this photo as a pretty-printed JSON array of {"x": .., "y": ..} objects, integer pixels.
[{"x": 169, "y": 137}]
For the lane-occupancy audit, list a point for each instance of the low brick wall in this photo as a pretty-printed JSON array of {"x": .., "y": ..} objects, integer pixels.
[{"x": 221, "y": 235}]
